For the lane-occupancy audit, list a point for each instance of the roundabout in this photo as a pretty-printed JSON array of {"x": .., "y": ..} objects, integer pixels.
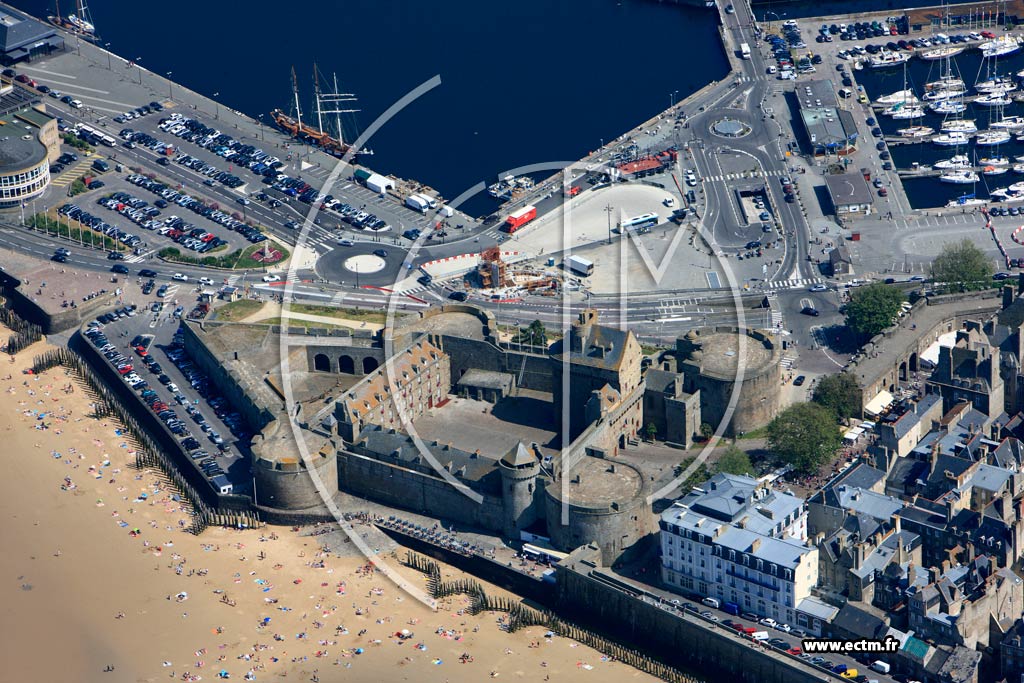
[
  {"x": 730, "y": 128},
  {"x": 364, "y": 264},
  {"x": 359, "y": 264}
]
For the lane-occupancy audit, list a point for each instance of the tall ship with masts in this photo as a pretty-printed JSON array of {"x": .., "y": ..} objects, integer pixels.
[
  {"x": 79, "y": 23},
  {"x": 326, "y": 104}
]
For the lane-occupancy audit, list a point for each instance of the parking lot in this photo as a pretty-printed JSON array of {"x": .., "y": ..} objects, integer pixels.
[{"x": 144, "y": 346}]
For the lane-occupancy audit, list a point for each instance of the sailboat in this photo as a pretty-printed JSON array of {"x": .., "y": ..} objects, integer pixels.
[
  {"x": 959, "y": 126},
  {"x": 951, "y": 139},
  {"x": 990, "y": 138},
  {"x": 899, "y": 97},
  {"x": 942, "y": 52},
  {"x": 965, "y": 200},
  {"x": 294, "y": 126},
  {"x": 1010, "y": 123},
  {"x": 960, "y": 177},
  {"x": 948, "y": 107},
  {"x": 79, "y": 23},
  {"x": 957, "y": 162},
  {"x": 993, "y": 99}
]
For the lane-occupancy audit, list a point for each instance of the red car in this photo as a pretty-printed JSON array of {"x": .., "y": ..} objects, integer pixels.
[
  {"x": 125, "y": 369},
  {"x": 988, "y": 34},
  {"x": 794, "y": 651}
]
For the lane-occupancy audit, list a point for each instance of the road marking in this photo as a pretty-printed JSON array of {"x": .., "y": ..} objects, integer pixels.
[
  {"x": 26, "y": 67},
  {"x": 75, "y": 86}
]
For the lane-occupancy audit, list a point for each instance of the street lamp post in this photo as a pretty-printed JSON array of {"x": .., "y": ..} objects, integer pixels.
[
  {"x": 216, "y": 104},
  {"x": 608, "y": 210},
  {"x": 260, "y": 117},
  {"x": 672, "y": 98},
  {"x": 106, "y": 47},
  {"x": 170, "y": 86},
  {"x": 137, "y": 60}
]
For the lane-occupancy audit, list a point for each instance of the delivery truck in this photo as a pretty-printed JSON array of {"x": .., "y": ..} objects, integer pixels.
[
  {"x": 579, "y": 265},
  {"x": 518, "y": 219}
]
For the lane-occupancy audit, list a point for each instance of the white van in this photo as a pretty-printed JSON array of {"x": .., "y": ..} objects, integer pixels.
[{"x": 711, "y": 602}]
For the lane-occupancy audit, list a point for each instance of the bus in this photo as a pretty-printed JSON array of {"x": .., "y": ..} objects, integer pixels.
[
  {"x": 641, "y": 222},
  {"x": 542, "y": 555},
  {"x": 95, "y": 137}
]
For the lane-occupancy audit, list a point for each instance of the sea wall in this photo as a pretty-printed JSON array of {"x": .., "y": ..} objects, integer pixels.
[{"x": 593, "y": 597}]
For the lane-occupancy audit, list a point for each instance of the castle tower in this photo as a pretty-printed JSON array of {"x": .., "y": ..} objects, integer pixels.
[{"x": 519, "y": 470}]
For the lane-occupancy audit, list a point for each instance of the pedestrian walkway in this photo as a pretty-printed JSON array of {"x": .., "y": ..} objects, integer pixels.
[
  {"x": 773, "y": 173},
  {"x": 139, "y": 258},
  {"x": 797, "y": 283},
  {"x": 71, "y": 174}
]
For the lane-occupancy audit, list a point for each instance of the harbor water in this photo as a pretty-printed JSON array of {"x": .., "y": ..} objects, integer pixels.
[
  {"x": 526, "y": 82},
  {"x": 971, "y": 67}
]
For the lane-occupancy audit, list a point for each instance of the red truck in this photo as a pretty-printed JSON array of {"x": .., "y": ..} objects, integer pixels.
[{"x": 520, "y": 218}]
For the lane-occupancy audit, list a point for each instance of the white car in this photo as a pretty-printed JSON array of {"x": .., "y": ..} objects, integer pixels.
[
  {"x": 819, "y": 288},
  {"x": 205, "y": 281},
  {"x": 271, "y": 278},
  {"x": 785, "y": 628},
  {"x": 768, "y": 621},
  {"x": 181, "y": 277}
]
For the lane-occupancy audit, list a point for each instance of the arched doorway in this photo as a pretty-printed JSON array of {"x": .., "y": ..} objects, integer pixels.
[
  {"x": 903, "y": 371},
  {"x": 321, "y": 363},
  {"x": 913, "y": 362},
  {"x": 369, "y": 364},
  {"x": 347, "y": 365}
]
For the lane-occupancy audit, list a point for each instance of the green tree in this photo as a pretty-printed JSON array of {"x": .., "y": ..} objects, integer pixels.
[
  {"x": 706, "y": 430},
  {"x": 873, "y": 308},
  {"x": 651, "y": 431},
  {"x": 839, "y": 393},
  {"x": 534, "y": 334},
  {"x": 961, "y": 266},
  {"x": 77, "y": 187},
  {"x": 805, "y": 436},
  {"x": 734, "y": 461}
]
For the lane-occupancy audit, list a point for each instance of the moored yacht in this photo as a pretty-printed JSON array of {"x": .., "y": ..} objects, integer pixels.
[
  {"x": 959, "y": 126},
  {"x": 951, "y": 139},
  {"x": 941, "y": 53},
  {"x": 916, "y": 132},
  {"x": 898, "y": 97},
  {"x": 994, "y": 99},
  {"x": 958, "y": 162},
  {"x": 964, "y": 177},
  {"x": 1003, "y": 45},
  {"x": 886, "y": 58},
  {"x": 902, "y": 113},
  {"x": 948, "y": 107},
  {"x": 1011, "y": 123},
  {"x": 992, "y": 137}
]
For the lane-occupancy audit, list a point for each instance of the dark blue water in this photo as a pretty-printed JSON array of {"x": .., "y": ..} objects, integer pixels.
[
  {"x": 523, "y": 82},
  {"x": 928, "y": 192}
]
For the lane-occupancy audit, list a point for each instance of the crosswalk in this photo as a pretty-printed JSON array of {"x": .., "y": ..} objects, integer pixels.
[
  {"x": 774, "y": 173},
  {"x": 139, "y": 258},
  {"x": 71, "y": 174},
  {"x": 797, "y": 283},
  {"x": 788, "y": 361}
]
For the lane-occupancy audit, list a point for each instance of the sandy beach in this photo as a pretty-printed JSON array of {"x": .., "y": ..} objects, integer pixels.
[{"x": 102, "y": 584}]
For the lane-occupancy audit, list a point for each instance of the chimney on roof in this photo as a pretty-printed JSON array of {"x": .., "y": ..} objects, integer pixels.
[
  {"x": 896, "y": 522},
  {"x": 1008, "y": 296},
  {"x": 755, "y": 545},
  {"x": 933, "y": 574},
  {"x": 911, "y": 574}
]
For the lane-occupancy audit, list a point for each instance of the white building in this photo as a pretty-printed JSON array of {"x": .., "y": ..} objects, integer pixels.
[{"x": 737, "y": 540}]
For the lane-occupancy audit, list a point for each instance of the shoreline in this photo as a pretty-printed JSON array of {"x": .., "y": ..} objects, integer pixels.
[{"x": 100, "y": 574}]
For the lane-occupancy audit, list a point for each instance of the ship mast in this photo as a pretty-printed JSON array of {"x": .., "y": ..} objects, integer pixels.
[
  {"x": 316, "y": 96},
  {"x": 335, "y": 100},
  {"x": 298, "y": 111},
  {"x": 83, "y": 12},
  {"x": 57, "y": 6}
]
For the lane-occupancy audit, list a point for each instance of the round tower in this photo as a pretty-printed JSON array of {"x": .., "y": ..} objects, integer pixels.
[{"x": 519, "y": 470}]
